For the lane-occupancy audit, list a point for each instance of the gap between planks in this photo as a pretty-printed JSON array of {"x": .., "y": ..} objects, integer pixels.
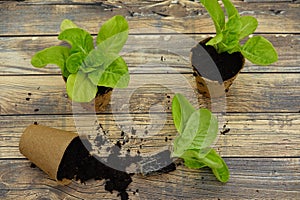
[
  {"x": 250, "y": 178},
  {"x": 47, "y": 95},
  {"x": 144, "y": 54},
  {"x": 90, "y": 16},
  {"x": 250, "y": 135}
]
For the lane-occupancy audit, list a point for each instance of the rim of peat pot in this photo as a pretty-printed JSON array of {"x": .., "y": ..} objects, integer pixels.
[
  {"x": 45, "y": 147},
  {"x": 208, "y": 80}
]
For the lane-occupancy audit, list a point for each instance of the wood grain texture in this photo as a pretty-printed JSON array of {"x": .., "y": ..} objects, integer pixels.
[
  {"x": 152, "y": 52},
  {"x": 128, "y": 2},
  {"x": 33, "y": 19},
  {"x": 269, "y": 1},
  {"x": 250, "y": 179},
  {"x": 262, "y": 108},
  {"x": 254, "y": 92},
  {"x": 250, "y": 135}
]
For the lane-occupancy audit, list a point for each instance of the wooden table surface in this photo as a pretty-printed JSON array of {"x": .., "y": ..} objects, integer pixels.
[{"x": 262, "y": 108}]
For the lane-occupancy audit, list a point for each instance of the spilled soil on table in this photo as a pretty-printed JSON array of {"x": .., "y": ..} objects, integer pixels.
[{"x": 79, "y": 164}]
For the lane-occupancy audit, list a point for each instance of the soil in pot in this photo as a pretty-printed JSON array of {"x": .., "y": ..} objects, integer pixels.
[{"x": 210, "y": 79}]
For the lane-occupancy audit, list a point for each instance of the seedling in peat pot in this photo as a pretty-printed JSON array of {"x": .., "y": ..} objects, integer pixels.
[
  {"x": 84, "y": 67},
  {"x": 257, "y": 49},
  {"x": 226, "y": 48}
]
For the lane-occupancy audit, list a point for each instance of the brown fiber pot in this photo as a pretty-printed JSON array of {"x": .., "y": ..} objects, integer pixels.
[
  {"x": 213, "y": 88},
  {"x": 45, "y": 147}
]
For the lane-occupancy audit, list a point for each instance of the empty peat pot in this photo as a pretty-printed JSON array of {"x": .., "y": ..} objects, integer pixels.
[
  {"x": 214, "y": 72},
  {"x": 45, "y": 147}
]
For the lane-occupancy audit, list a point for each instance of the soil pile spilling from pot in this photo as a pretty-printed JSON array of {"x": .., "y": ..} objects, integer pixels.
[
  {"x": 79, "y": 164},
  {"x": 63, "y": 156}
]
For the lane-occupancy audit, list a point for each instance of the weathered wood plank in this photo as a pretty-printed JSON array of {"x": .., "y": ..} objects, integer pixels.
[
  {"x": 105, "y": 2},
  {"x": 22, "y": 19},
  {"x": 270, "y": 1},
  {"x": 261, "y": 149},
  {"x": 254, "y": 92},
  {"x": 128, "y": 2},
  {"x": 251, "y": 178},
  {"x": 147, "y": 51},
  {"x": 251, "y": 135}
]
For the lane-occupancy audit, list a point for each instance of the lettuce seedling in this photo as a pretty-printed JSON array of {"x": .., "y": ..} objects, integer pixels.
[
  {"x": 84, "y": 66},
  {"x": 256, "y": 49},
  {"x": 197, "y": 131}
]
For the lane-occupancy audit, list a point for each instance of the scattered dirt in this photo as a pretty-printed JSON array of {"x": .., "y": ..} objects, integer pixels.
[
  {"x": 224, "y": 130},
  {"x": 32, "y": 165}
]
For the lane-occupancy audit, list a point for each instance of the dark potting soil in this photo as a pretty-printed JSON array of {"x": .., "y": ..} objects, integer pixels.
[
  {"x": 103, "y": 90},
  {"x": 228, "y": 64},
  {"x": 78, "y": 164}
]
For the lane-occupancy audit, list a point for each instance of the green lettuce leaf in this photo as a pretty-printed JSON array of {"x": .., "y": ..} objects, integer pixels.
[
  {"x": 249, "y": 25},
  {"x": 79, "y": 39},
  {"x": 99, "y": 59},
  {"x": 106, "y": 69},
  {"x": 215, "y": 40},
  {"x": 80, "y": 88},
  {"x": 113, "y": 34},
  {"x": 192, "y": 158},
  {"x": 216, "y": 13},
  {"x": 181, "y": 111},
  {"x": 53, "y": 55},
  {"x": 84, "y": 66},
  {"x": 259, "y": 51},
  {"x": 200, "y": 129},
  {"x": 75, "y": 61},
  {"x": 231, "y": 34},
  {"x": 67, "y": 24},
  {"x": 199, "y": 133},
  {"x": 210, "y": 158},
  {"x": 115, "y": 75},
  {"x": 218, "y": 166},
  {"x": 230, "y": 9}
]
